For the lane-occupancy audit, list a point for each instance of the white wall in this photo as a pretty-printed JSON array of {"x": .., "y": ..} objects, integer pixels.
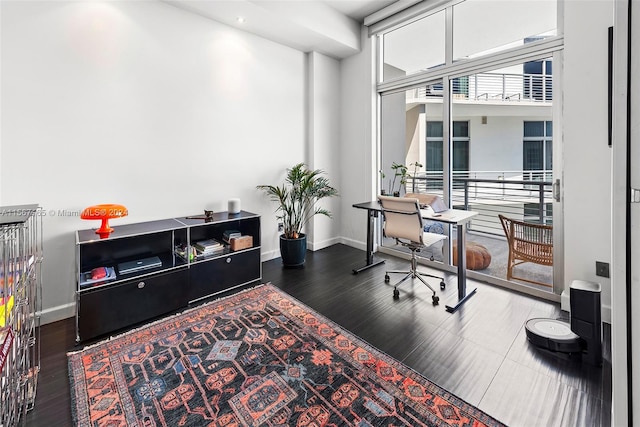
[
  {"x": 324, "y": 142},
  {"x": 143, "y": 104},
  {"x": 357, "y": 152},
  {"x": 587, "y": 157},
  {"x": 488, "y": 153},
  {"x": 393, "y": 137},
  {"x": 416, "y": 133},
  {"x": 634, "y": 298}
]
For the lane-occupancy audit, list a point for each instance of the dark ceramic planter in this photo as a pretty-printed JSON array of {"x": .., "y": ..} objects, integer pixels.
[{"x": 293, "y": 251}]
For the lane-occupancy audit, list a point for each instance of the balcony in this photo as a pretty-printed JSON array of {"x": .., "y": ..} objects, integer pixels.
[
  {"x": 487, "y": 87},
  {"x": 522, "y": 195}
]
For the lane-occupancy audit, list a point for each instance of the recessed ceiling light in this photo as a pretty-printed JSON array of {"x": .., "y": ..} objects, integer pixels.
[{"x": 240, "y": 19}]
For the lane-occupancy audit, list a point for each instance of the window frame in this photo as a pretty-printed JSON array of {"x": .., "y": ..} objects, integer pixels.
[{"x": 546, "y": 145}]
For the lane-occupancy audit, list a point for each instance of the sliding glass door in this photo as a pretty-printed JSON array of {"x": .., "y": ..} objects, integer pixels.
[
  {"x": 508, "y": 123},
  {"x": 474, "y": 123}
]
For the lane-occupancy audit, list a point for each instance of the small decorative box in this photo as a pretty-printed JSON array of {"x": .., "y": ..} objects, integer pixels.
[{"x": 242, "y": 242}]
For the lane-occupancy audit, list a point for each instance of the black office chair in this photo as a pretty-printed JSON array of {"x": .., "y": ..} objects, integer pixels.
[{"x": 403, "y": 222}]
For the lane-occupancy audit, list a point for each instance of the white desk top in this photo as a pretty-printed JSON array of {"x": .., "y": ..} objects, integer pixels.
[{"x": 450, "y": 216}]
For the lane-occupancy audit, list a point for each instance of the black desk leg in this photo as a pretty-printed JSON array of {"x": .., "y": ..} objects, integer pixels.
[
  {"x": 370, "y": 259},
  {"x": 463, "y": 295}
]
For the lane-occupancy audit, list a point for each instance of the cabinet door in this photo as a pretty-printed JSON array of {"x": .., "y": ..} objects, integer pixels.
[
  {"x": 217, "y": 275},
  {"x": 109, "y": 309}
]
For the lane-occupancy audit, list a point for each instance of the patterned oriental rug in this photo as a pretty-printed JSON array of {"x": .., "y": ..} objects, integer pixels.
[{"x": 256, "y": 358}]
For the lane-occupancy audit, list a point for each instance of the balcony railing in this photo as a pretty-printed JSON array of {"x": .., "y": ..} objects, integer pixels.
[
  {"x": 495, "y": 87},
  {"x": 524, "y": 195}
]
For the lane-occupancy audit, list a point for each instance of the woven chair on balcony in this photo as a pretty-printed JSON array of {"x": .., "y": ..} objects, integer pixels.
[{"x": 527, "y": 243}]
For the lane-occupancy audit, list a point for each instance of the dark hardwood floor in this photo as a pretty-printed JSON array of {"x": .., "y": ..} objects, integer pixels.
[{"x": 479, "y": 353}]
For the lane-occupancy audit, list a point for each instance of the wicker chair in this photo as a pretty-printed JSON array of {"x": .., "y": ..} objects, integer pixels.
[{"x": 527, "y": 243}]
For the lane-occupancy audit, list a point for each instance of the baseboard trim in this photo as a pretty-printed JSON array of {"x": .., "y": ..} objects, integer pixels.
[
  {"x": 324, "y": 244},
  {"x": 354, "y": 243},
  {"x": 564, "y": 301},
  {"x": 268, "y": 256},
  {"x": 60, "y": 312}
]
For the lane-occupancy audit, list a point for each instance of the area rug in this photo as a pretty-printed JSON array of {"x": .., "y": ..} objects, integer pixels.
[{"x": 256, "y": 358}]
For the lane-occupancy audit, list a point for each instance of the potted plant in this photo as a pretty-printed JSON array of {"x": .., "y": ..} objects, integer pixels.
[
  {"x": 400, "y": 174},
  {"x": 399, "y": 171},
  {"x": 297, "y": 200}
]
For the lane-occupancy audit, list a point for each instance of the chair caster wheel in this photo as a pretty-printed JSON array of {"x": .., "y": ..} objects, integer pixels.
[
  {"x": 442, "y": 285},
  {"x": 431, "y": 258},
  {"x": 396, "y": 294},
  {"x": 436, "y": 300},
  {"x": 386, "y": 278}
]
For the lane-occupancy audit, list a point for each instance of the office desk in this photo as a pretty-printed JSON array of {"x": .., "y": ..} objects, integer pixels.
[{"x": 456, "y": 217}]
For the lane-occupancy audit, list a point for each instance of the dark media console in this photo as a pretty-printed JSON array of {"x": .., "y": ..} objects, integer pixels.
[{"x": 153, "y": 268}]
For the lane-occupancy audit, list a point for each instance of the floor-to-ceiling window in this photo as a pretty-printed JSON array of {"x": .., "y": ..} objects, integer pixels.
[{"x": 473, "y": 116}]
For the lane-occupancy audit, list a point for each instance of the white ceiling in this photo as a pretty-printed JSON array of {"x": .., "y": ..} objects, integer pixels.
[
  {"x": 358, "y": 9},
  {"x": 331, "y": 27}
]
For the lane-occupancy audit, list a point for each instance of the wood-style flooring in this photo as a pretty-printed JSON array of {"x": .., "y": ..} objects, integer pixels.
[{"x": 479, "y": 353}]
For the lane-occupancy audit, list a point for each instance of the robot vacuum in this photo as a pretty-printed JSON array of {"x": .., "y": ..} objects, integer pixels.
[
  {"x": 553, "y": 335},
  {"x": 581, "y": 335}
]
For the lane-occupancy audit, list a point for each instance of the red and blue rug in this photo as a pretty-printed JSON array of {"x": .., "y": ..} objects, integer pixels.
[{"x": 256, "y": 358}]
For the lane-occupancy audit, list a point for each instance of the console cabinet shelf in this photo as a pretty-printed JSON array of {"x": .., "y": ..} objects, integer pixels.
[{"x": 145, "y": 270}]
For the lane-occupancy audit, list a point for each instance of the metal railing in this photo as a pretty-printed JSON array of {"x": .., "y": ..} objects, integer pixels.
[
  {"x": 521, "y": 195},
  {"x": 495, "y": 87}
]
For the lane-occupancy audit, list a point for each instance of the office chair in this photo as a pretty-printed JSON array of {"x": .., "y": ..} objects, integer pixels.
[
  {"x": 425, "y": 200},
  {"x": 403, "y": 222}
]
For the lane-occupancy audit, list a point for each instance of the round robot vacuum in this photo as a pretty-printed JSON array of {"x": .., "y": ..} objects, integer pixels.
[{"x": 553, "y": 335}]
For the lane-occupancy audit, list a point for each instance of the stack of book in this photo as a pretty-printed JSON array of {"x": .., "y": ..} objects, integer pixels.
[
  {"x": 228, "y": 235},
  {"x": 208, "y": 247}
]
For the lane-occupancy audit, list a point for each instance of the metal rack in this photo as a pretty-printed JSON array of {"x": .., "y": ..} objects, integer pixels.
[{"x": 20, "y": 288}]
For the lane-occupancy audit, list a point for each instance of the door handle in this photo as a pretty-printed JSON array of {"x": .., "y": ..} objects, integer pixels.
[{"x": 556, "y": 190}]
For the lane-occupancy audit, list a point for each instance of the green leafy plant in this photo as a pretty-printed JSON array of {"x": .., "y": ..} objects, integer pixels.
[
  {"x": 399, "y": 171},
  {"x": 298, "y": 196}
]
